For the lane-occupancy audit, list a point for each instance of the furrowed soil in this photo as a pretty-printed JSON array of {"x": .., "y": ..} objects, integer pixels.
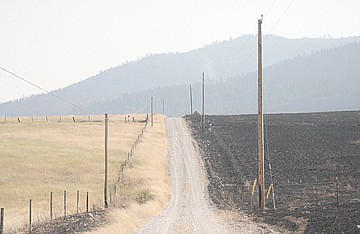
[{"x": 314, "y": 158}]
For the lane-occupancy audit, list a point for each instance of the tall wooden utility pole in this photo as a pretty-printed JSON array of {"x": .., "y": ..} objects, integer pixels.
[
  {"x": 261, "y": 178},
  {"x": 203, "y": 102},
  {"x": 106, "y": 162},
  {"x": 152, "y": 112},
  {"x": 191, "y": 102}
]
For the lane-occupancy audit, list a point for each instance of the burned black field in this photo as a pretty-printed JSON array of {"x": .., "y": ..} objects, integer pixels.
[{"x": 315, "y": 160}]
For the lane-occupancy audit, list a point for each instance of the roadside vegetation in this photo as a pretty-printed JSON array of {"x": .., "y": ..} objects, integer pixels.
[{"x": 40, "y": 156}]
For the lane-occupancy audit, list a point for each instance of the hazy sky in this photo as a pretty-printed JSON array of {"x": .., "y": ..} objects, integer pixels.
[{"x": 56, "y": 43}]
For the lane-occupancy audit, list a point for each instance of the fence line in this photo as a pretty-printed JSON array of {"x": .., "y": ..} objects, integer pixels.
[
  {"x": 67, "y": 119},
  {"x": 130, "y": 155},
  {"x": 302, "y": 194},
  {"x": 25, "y": 220}
]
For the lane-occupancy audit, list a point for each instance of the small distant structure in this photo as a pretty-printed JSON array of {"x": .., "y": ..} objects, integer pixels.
[{"x": 196, "y": 113}]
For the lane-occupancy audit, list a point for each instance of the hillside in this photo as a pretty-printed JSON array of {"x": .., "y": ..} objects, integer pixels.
[
  {"x": 327, "y": 80},
  {"x": 121, "y": 85}
]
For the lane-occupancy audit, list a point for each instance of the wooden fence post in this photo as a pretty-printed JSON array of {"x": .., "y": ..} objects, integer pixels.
[
  {"x": 2, "y": 221},
  {"x": 18, "y": 119},
  {"x": 46, "y": 118},
  {"x": 51, "y": 206},
  {"x": 87, "y": 202},
  {"x": 30, "y": 216},
  {"x": 77, "y": 201},
  {"x": 337, "y": 192},
  {"x": 152, "y": 112},
  {"x": 74, "y": 119},
  {"x": 316, "y": 193},
  {"x": 65, "y": 204}
]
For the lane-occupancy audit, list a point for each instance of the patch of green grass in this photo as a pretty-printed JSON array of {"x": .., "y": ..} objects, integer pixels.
[{"x": 144, "y": 196}]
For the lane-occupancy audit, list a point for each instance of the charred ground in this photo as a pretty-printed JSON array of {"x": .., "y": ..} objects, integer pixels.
[{"x": 315, "y": 161}]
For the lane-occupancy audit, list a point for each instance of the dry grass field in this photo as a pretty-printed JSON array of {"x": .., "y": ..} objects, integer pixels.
[
  {"x": 38, "y": 157},
  {"x": 145, "y": 192}
]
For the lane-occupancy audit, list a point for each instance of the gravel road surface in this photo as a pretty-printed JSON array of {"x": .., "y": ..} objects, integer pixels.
[{"x": 189, "y": 210}]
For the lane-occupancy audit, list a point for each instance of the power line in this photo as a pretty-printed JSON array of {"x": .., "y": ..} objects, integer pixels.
[
  {"x": 265, "y": 117},
  {"x": 255, "y": 28},
  {"x": 270, "y": 8},
  {"x": 277, "y": 22},
  {"x": 244, "y": 43},
  {"x": 23, "y": 79},
  {"x": 142, "y": 108}
]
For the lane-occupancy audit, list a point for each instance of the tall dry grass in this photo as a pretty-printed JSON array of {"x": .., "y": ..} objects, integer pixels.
[
  {"x": 38, "y": 157},
  {"x": 145, "y": 191}
]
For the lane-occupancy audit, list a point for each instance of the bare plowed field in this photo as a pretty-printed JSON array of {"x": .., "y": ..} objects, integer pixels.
[{"x": 315, "y": 160}]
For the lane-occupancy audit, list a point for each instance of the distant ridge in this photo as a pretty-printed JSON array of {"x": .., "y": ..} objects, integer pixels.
[
  {"x": 326, "y": 80},
  {"x": 119, "y": 87}
]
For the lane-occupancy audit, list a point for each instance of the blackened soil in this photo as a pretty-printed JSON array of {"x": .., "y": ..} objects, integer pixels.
[{"x": 315, "y": 161}]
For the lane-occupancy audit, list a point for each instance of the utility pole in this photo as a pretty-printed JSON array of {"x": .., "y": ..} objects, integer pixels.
[
  {"x": 191, "y": 102},
  {"x": 261, "y": 178},
  {"x": 106, "y": 162},
  {"x": 152, "y": 112},
  {"x": 203, "y": 102}
]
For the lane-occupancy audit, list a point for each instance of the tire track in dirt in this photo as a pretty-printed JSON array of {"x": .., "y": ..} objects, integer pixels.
[{"x": 189, "y": 210}]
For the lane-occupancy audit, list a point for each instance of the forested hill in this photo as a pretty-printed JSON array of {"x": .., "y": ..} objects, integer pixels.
[
  {"x": 328, "y": 80},
  {"x": 233, "y": 58}
]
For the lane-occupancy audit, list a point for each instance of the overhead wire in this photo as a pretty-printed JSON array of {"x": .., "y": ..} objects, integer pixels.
[
  {"x": 267, "y": 12},
  {"x": 241, "y": 64},
  {"x": 266, "y": 130},
  {"x": 269, "y": 162},
  {"x": 277, "y": 22},
  {"x": 248, "y": 39},
  {"x": 265, "y": 121},
  {"x": 37, "y": 86},
  {"x": 142, "y": 108}
]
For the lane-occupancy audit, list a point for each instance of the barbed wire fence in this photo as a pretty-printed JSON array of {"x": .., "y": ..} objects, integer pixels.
[
  {"x": 302, "y": 194},
  {"x": 68, "y": 203}
]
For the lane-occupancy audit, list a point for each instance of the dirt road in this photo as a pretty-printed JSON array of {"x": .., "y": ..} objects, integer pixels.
[{"x": 189, "y": 210}]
